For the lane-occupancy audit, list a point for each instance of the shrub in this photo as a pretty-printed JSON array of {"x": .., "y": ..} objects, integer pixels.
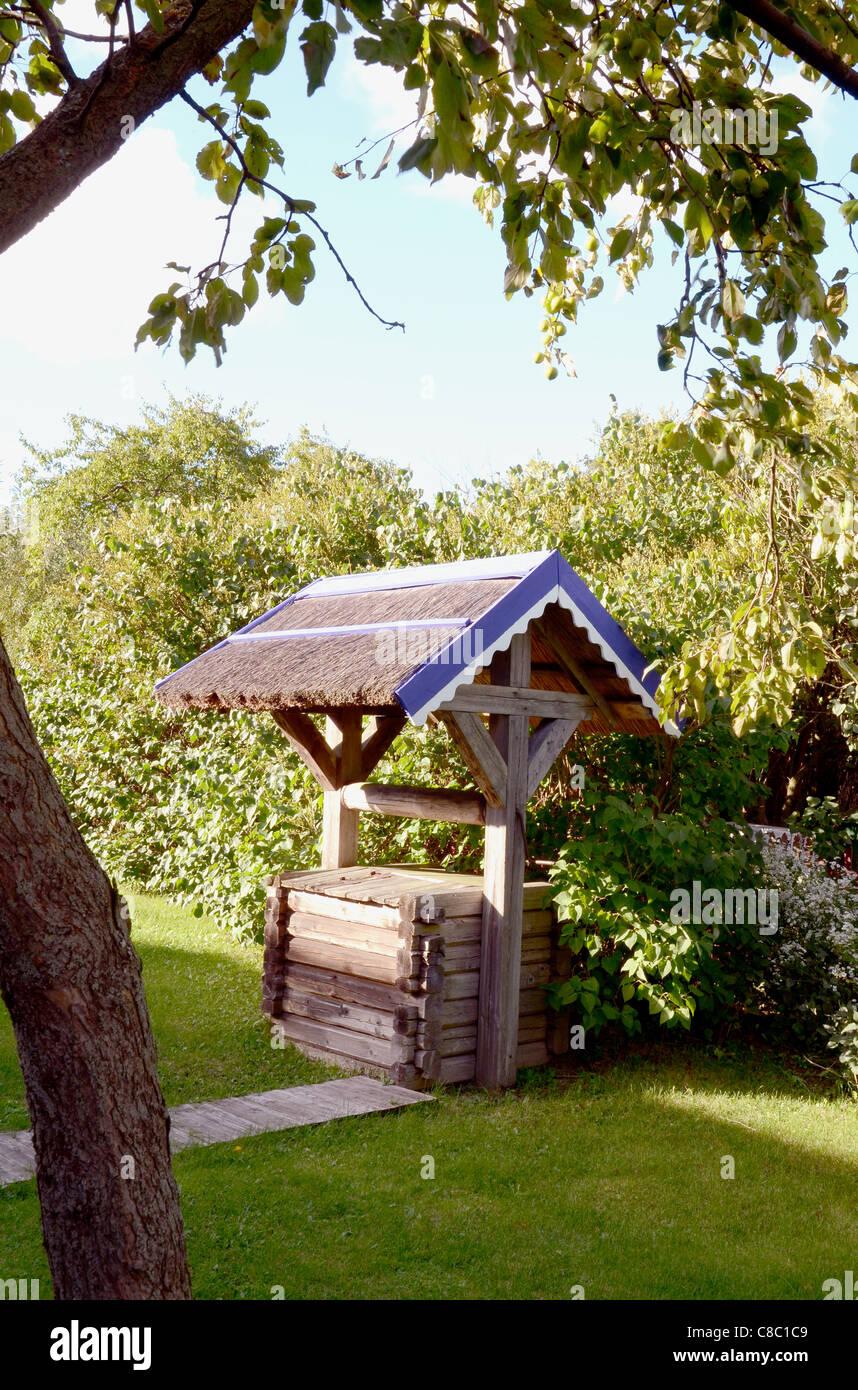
[
  {"x": 832, "y": 833},
  {"x": 812, "y": 969},
  {"x": 631, "y": 956},
  {"x": 842, "y": 1030}
]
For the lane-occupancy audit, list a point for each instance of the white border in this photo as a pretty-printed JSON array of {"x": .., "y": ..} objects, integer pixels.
[
  {"x": 415, "y": 576},
  {"x": 557, "y": 594}
]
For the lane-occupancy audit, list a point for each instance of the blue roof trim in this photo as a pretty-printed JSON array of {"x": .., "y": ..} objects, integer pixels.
[
  {"x": 418, "y": 690},
  {"x": 613, "y": 635},
  {"x": 552, "y": 579}
]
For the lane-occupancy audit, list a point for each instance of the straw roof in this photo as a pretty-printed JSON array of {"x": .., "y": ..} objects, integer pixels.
[{"x": 402, "y": 641}]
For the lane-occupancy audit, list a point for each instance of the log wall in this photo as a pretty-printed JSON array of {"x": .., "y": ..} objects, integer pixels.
[{"x": 379, "y": 970}]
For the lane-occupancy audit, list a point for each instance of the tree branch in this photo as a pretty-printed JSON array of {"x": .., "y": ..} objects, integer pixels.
[
  {"x": 55, "y": 42},
  {"x": 85, "y": 129},
  {"x": 248, "y": 177},
  {"x": 779, "y": 26}
]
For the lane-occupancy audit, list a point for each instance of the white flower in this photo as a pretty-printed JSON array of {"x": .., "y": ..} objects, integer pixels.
[{"x": 815, "y": 898}]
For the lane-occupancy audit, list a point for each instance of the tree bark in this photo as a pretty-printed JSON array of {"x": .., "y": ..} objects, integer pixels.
[
  {"x": 89, "y": 124},
  {"x": 72, "y": 983},
  {"x": 781, "y": 26}
]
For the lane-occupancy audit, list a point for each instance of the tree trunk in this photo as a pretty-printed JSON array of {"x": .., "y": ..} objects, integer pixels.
[{"x": 71, "y": 981}]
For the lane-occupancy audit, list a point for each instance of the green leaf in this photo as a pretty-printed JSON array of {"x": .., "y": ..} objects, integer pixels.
[
  {"x": 786, "y": 342},
  {"x": 153, "y": 14},
  {"x": 227, "y": 183},
  {"x": 732, "y": 299},
  {"x": 21, "y": 105},
  {"x": 515, "y": 278},
  {"x": 450, "y": 93},
  {"x": 367, "y": 9},
  {"x": 621, "y": 243},
  {"x": 210, "y": 160},
  {"x": 318, "y": 44},
  {"x": 417, "y": 153},
  {"x": 265, "y": 60},
  {"x": 250, "y": 290}
]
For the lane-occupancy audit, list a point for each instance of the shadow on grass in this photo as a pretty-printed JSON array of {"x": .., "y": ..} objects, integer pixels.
[
  {"x": 622, "y": 1193},
  {"x": 617, "y": 1188},
  {"x": 747, "y": 1065}
]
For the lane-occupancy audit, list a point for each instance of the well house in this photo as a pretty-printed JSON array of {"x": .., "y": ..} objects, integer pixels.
[{"x": 414, "y": 972}]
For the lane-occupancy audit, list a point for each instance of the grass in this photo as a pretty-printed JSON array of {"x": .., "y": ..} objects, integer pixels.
[{"x": 608, "y": 1178}]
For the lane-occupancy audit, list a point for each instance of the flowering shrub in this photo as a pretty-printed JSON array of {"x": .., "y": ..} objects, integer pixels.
[{"x": 813, "y": 968}]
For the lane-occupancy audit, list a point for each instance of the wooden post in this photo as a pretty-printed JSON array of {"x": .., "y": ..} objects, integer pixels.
[
  {"x": 340, "y": 826},
  {"x": 503, "y": 883}
]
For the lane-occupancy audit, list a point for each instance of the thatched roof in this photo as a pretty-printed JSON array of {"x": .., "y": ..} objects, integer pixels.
[{"x": 404, "y": 640}]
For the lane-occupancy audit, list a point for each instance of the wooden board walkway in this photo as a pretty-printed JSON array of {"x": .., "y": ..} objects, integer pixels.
[{"x": 222, "y": 1121}]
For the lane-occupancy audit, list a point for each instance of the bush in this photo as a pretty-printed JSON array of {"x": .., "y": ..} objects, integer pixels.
[
  {"x": 812, "y": 969},
  {"x": 833, "y": 834},
  {"x": 632, "y": 956},
  {"x": 842, "y": 1030}
]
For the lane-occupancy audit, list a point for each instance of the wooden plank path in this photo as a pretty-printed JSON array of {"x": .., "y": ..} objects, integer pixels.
[{"x": 239, "y": 1117}]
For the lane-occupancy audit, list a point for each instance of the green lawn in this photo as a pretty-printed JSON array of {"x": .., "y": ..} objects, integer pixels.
[{"x": 609, "y": 1179}]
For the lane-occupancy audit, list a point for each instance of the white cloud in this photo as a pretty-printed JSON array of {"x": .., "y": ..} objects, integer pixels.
[
  {"x": 820, "y": 126},
  {"x": 76, "y": 288},
  {"x": 82, "y": 17},
  {"x": 380, "y": 91}
]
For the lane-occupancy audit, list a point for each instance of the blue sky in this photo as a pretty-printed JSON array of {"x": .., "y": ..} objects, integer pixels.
[{"x": 455, "y": 397}]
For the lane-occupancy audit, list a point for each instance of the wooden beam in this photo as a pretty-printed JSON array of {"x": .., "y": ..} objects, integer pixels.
[
  {"x": 496, "y": 699},
  {"x": 546, "y": 744},
  {"x": 479, "y": 753},
  {"x": 419, "y": 803},
  {"x": 381, "y": 732},
  {"x": 568, "y": 659},
  {"x": 503, "y": 883},
  {"x": 340, "y": 825},
  {"x": 309, "y": 745}
]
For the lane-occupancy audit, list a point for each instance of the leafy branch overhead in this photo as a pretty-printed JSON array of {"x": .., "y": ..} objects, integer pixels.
[{"x": 553, "y": 109}]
